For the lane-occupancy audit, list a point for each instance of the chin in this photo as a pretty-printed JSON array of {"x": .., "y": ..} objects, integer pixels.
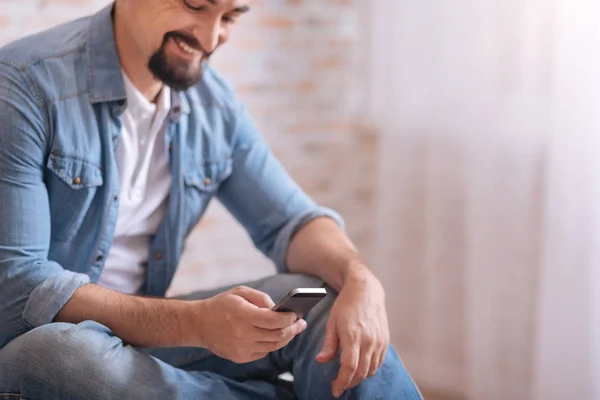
[{"x": 177, "y": 75}]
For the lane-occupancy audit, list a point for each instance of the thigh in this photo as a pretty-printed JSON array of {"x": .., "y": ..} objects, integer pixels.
[{"x": 86, "y": 361}]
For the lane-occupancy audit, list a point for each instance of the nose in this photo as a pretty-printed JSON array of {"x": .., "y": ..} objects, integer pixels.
[{"x": 209, "y": 35}]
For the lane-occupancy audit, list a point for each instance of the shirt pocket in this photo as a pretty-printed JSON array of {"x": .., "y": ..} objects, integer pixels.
[
  {"x": 201, "y": 181},
  {"x": 72, "y": 190}
]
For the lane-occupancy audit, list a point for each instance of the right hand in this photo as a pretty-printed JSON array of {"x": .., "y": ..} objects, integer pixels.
[{"x": 239, "y": 325}]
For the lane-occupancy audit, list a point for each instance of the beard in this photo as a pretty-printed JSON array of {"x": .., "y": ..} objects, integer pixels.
[{"x": 178, "y": 74}]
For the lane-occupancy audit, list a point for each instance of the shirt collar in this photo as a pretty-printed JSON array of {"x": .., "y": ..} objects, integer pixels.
[{"x": 105, "y": 79}]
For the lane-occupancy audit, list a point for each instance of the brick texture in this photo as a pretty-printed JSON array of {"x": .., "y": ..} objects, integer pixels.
[{"x": 297, "y": 65}]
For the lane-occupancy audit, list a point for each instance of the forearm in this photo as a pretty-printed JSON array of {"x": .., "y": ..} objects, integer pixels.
[
  {"x": 140, "y": 321},
  {"x": 322, "y": 249}
]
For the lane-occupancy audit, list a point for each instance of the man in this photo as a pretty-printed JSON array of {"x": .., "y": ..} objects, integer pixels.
[{"x": 114, "y": 136}]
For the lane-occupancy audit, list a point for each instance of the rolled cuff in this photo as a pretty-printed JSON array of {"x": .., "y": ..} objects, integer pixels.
[
  {"x": 291, "y": 228},
  {"x": 47, "y": 299}
]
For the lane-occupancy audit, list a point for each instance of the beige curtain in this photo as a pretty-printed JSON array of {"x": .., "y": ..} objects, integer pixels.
[{"x": 489, "y": 217}]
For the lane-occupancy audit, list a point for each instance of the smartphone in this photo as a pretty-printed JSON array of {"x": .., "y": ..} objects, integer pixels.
[{"x": 300, "y": 300}]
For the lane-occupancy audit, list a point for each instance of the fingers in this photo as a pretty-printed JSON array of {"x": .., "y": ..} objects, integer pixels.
[
  {"x": 261, "y": 315},
  {"x": 282, "y": 334},
  {"x": 256, "y": 297},
  {"x": 270, "y": 346},
  {"x": 370, "y": 352},
  {"x": 268, "y": 319},
  {"x": 349, "y": 361},
  {"x": 382, "y": 356},
  {"x": 359, "y": 360},
  {"x": 375, "y": 363},
  {"x": 362, "y": 371},
  {"x": 330, "y": 345}
]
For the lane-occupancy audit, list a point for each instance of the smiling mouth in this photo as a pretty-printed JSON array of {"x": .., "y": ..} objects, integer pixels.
[{"x": 187, "y": 48}]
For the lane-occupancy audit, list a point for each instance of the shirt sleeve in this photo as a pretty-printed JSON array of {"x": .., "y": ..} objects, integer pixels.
[
  {"x": 33, "y": 289},
  {"x": 263, "y": 197}
]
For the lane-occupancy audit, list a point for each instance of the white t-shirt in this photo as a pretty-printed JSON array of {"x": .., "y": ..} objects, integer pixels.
[{"x": 145, "y": 181}]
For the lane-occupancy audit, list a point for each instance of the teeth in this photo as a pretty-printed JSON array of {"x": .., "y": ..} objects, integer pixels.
[{"x": 187, "y": 48}]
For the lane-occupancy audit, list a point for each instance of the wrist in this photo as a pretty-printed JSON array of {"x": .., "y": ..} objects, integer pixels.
[
  {"x": 190, "y": 321},
  {"x": 359, "y": 275},
  {"x": 357, "y": 271}
]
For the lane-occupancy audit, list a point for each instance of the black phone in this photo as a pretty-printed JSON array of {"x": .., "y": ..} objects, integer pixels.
[{"x": 300, "y": 300}]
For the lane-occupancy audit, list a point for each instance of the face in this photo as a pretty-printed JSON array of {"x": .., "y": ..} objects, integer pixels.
[{"x": 178, "y": 36}]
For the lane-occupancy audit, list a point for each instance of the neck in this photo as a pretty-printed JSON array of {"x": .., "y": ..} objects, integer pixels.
[{"x": 133, "y": 62}]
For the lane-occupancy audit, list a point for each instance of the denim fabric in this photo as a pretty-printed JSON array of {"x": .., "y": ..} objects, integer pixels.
[
  {"x": 61, "y": 100},
  {"x": 86, "y": 361}
]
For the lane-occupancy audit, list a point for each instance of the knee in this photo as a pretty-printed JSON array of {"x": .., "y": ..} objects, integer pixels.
[{"x": 57, "y": 353}]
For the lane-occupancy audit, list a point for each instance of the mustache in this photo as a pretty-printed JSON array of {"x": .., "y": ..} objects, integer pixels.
[{"x": 189, "y": 40}]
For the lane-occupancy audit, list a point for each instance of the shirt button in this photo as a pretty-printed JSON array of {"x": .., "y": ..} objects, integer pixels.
[
  {"x": 100, "y": 258},
  {"x": 158, "y": 255},
  {"x": 207, "y": 181},
  {"x": 76, "y": 180}
]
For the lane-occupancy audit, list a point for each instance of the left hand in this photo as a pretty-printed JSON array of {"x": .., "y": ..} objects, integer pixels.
[{"x": 358, "y": 325}]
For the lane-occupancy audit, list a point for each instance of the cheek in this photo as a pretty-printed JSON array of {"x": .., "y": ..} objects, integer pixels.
[
  {"x": 224, "y": 37},
  {"x": 149, "y": 38}
]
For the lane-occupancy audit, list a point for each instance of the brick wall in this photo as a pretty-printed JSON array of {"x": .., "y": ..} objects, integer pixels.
[{"x": 297, "y": 64}]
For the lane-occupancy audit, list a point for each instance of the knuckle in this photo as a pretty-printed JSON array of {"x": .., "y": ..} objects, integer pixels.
[
  {"x": 241, "y": 288},
  {"x": 299, "y": 327},
  {"x": 349, "y": 366},
  {"x": 353, "y": 333},
  {"x": 281, "y": 333}
]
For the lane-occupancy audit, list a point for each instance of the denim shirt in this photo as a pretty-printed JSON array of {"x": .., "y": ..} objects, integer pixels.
[{"x": 61, "y": 100}]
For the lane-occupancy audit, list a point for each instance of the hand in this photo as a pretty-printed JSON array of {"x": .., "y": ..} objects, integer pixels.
[
  {"x": 358, "y": 325},
  {"x": 239, "y": 325}
]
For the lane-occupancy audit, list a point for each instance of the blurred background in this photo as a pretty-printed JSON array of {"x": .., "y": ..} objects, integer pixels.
[{"x": 460, "y": 140}]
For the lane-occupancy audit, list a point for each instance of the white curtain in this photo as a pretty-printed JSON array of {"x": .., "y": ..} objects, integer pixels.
[{"x": 489, "y": 217}]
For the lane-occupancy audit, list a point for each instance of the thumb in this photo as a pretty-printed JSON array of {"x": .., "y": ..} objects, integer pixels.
[
  {"x": 256, "y": 297},
  {"x": 330, "y": 345}
]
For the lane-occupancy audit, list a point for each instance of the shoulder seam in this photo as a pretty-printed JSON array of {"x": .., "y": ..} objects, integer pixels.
[
  {"x": 39, "y": 100},
  {"x": 32, "y": 62}
]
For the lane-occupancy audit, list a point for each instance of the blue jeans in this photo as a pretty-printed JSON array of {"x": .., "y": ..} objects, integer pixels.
[{"x": 86, "y": 361}]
